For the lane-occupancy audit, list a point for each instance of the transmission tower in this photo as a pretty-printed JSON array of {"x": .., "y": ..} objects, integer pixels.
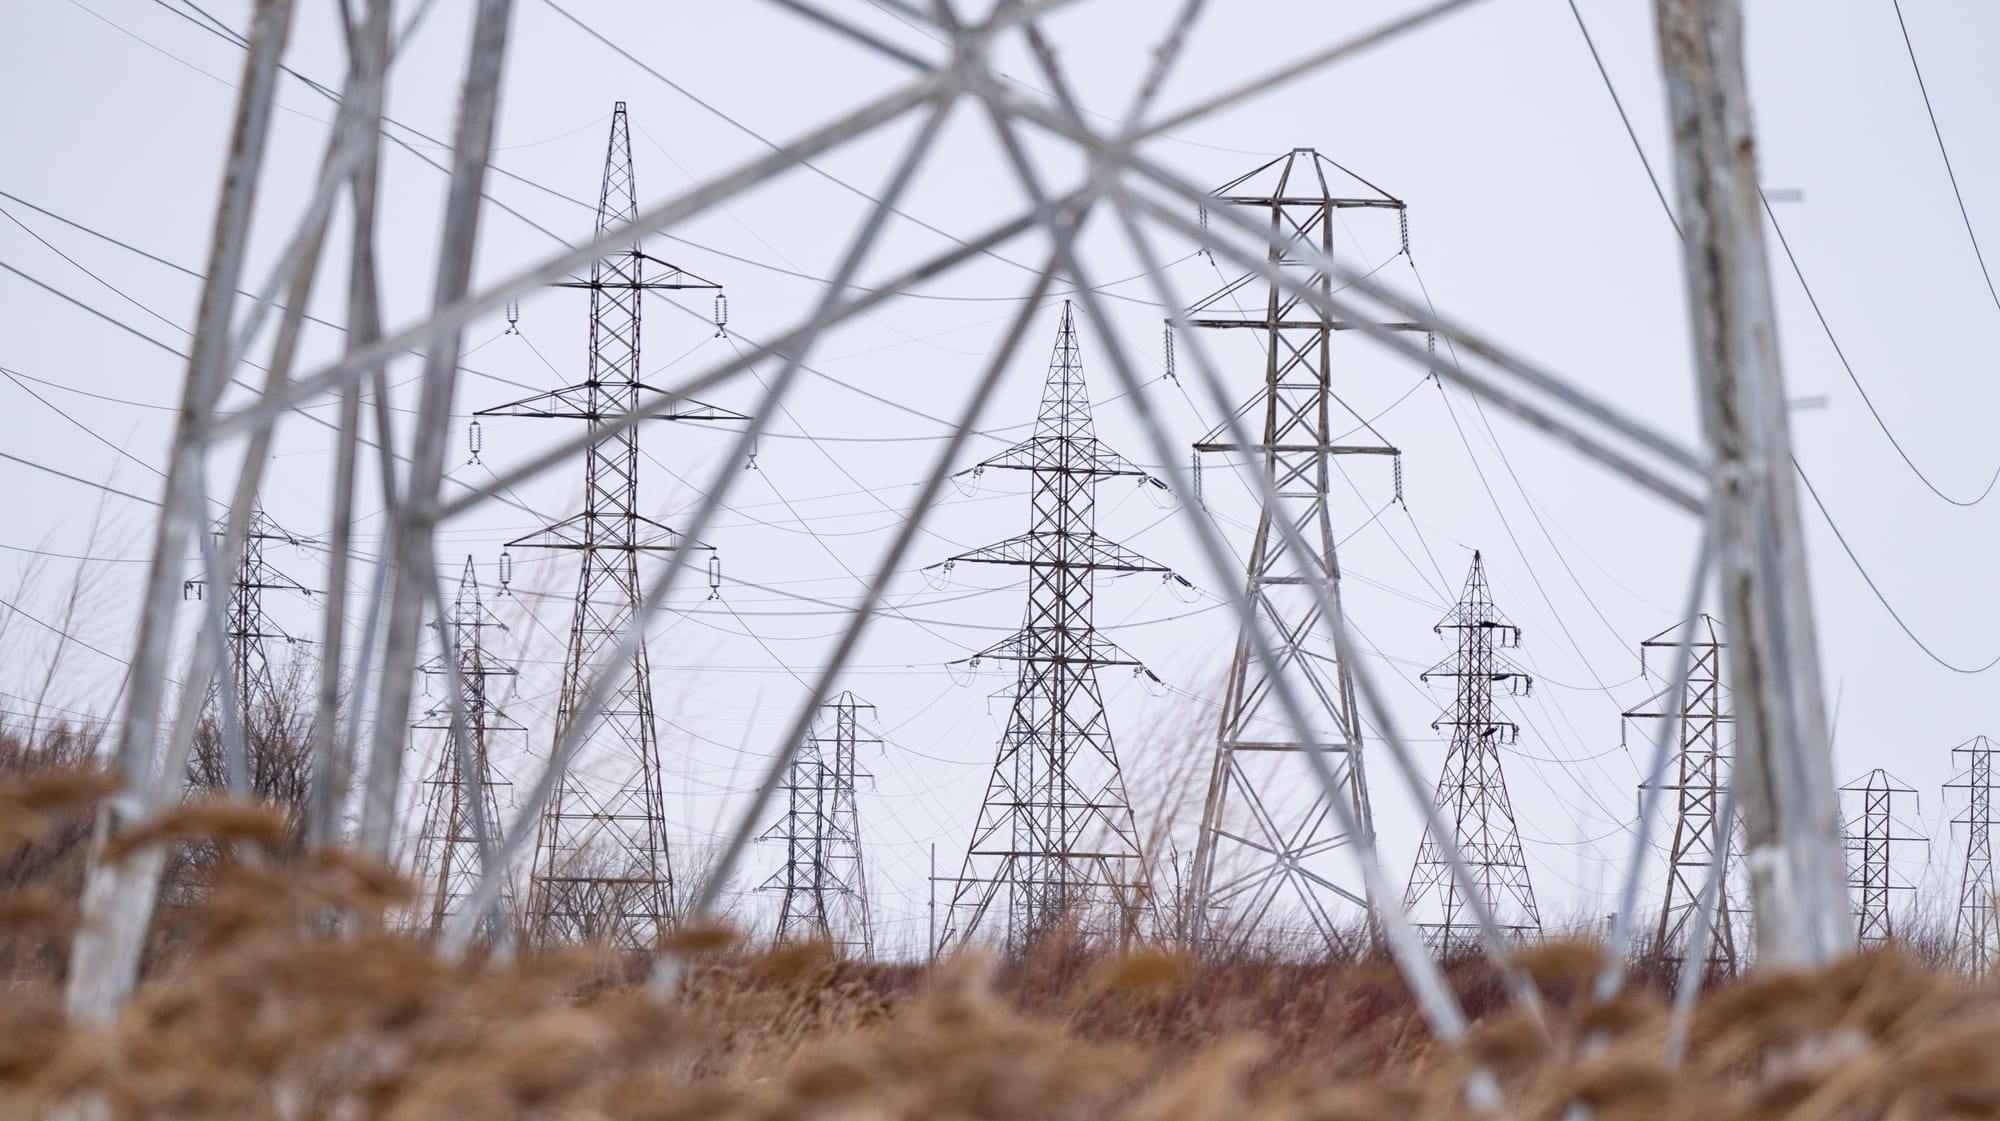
[
  {"x": 247, "y": 627},
  {"x": 1055, "y": 840},
  {"x": 1975, "y": 936},
  {"x": 1701, "y": 839},
  {"x": 1471, "y": 791},
  {"x": 1268, "y": 830},
  {"x": 825, "y": 896},
  {"x": 1871, "y": 870},
  {"x": 601, "y": 868},
  {"x": 448, "y": 859}
]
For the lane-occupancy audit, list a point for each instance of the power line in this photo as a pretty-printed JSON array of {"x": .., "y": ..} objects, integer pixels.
[
  {"x": 1875, "y": 588},
  {"x": 79, "y": 479},
  {"x": 1952, "y": 175},
  {"x": 105, "y": 316},
  {"x": 1824, "y": 513},
  {"x": 87, "y": 430},
  {"x": 51, "y": 628},
  {"x": 1612, "y": 89},
  {"x": 195, "y": 274},
  {"x": 1626, "y": 120},
  {"x": 1852, "y": 377}
]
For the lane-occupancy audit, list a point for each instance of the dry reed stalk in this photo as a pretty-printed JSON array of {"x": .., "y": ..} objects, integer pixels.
[{"x": 248, "y": 1009}]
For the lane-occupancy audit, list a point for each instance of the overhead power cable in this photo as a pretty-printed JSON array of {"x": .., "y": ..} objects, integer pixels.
[
  {"x": 1852, "y": 377},
  {"x": 1877, "y": 590},
  {"x": 1924, "y": 88},
  {"x": 1612, "y": 89},
  {"x": 87, "y": 430},
  {"x": 79, "y": 479},
  {"x": 1824, "y": 512},
  {"x": 53, "y": 629},
  {"x": 1626, "y": 119},
  {"x": 105, "y": 316}
]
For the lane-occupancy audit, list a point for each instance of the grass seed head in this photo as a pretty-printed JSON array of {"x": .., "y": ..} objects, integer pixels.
[
  {"x": 694, "y": 938},
  {"x": 208, "y": 819},
  {"x": 1143, "y": 969}
]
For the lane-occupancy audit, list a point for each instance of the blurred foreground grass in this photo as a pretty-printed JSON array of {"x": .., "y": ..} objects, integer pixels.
[{"x": 270, "y": 992}]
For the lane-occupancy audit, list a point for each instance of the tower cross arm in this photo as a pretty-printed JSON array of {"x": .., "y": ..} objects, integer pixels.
[
  {"x": 676, "y": 278},
  {"x": 573, "y": 532},
  {"x": 577, "y": 402},
  {"x": 1082, "y": 551},
  {"x": 1070, "y": 455},
  {"x": 1031, "y": 644}
]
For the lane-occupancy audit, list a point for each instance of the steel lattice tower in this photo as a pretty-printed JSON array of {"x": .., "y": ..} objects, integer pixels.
[
  {"x": 1055, "y": 840},
  {"x": 447, "y": 857},
  {"x": 1700, "y": 840},
  {"x": 248, "y": 627},
  {"x": 1871, "y": 871},
  {"x": 1471, "y": 791},
  {"x": 825, "y": 892},
  {"x": 1975, "y": 936},
  {"x": 1260, "y": 839},
  {"x": 601, "y": 868}
]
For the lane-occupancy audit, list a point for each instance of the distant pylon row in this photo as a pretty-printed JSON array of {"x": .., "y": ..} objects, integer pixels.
[{"x": 1055, "y": 840}]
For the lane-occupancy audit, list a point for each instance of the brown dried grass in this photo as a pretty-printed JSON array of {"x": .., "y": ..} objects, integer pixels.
[{"x": 256, "y": 1006}]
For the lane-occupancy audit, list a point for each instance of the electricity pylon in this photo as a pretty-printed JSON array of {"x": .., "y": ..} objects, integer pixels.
[
  {"x": 1975, "y": 935},
  {"x": 1871, "y": 869},
  {"x": 1701, "y": 840},
  {"x": 247, "y": 628},
  {"x": 825, "y": 892},
  {"x": 1055, "y": 840},
  {"x": 601, "y": 868},
  {"x": 448, "y": 859},
  {"x": 1471, "y": 792},
  {"x": 1262, "y": 839}
]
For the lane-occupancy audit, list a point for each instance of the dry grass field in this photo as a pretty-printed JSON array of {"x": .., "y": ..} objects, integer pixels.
[{"x": 272, "y": 990}]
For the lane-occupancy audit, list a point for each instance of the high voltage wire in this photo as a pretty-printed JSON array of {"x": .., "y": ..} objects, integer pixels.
[
  {"x": 222, "y": 30},
  {"x": 217, "y": 27},
  {"x": 197, "y": 275},
  {"x": 136, "y": 333},
  {"x": 1873, "y": 587},
  {"x": 1626, "y": 120},
  {"x": 87, "y": 430},
  {"x": 53, "y": 629},
  {"x": 80, "y": 479},
  {"x": 1930, "y": 112},
  {"x": 1799, "y": 272},
  {"x": 1821, "y": 506},
  {"x": 1505, "y": 524},
  {"x": 1827, "y": 327}
]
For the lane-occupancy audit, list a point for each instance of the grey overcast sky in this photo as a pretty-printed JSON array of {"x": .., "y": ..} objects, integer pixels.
[{"x": 1531, "y": 219}]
